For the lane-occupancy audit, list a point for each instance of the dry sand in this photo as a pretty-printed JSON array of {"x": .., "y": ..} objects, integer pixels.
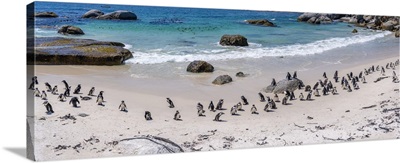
[{"x": 326, "y": 119}]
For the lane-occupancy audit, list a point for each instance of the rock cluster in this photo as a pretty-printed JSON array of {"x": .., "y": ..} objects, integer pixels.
[
  {"x": 116, "y": 15},
  {"x": 389, "y": 23}
]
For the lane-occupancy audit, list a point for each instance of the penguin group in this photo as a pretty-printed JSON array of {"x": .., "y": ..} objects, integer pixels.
[{"x": 323, "y": 87}]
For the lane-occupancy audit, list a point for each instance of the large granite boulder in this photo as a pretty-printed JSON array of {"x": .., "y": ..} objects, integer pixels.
[
  {"x": 72, "y": 30},
  {"x": 284, "y": 85},
  {"x": 306, "y": 16},
  {"x": 199, "y": 66},
  {"x": 222, "y": 79},
  {"x": 46, "y": 15},
  {"x": 323, "y": 19},
  {"x": 233, "y": 40},
  {"x": 92, "y": 14},
  {"x": 262, "y": 22},
  {"x": 68, "y": 51},
  {"x": 144, "y": 145},
  {"x": 316, "y": 18},
  {"x": 389, "y": 25},
  {"x": 119, "y": 15}
]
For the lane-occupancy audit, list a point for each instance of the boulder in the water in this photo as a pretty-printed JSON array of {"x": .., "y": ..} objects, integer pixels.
[
  {"x": 69, "y": 29},
  {"x": 46, "y": 15},
  {"x": 233, "y": 40},
  {"x": 92, "y": 14}
]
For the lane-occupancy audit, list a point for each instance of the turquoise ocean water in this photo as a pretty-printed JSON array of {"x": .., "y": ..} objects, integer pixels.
[{"x": 166, "y": 34}]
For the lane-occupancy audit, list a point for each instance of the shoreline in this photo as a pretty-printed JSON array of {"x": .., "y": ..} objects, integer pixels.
[{"x": 279, "y": 128}]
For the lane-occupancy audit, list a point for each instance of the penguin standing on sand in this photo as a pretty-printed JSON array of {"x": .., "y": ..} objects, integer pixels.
[
  {"x": 77, "y": 89},
  {"x": 383, "y": 71},
  {"x": 276, "y": 98},
  {"x": 211, "y": 107},
  {"x": 48, "y": 87},
  {"x": 74, "y": 101},
  {"x": 65, "y": 83},
  {"x": 295, "y": 75},
  {"x": 336, "y": 77},
  {"x": 284, "y": 100},
  {"x": 316, "y": 92},
  {"x": 34, "y": 81},
  {"x": 171, "y": 104},
  {"x": 200, "y": 111},
  {"x": 234, "y": 110},
  {"x": 219, "y": 105},
  {"x": 273, "y": 83},
  {"x": 91, "y": 91},
  {"x": 334, "y": 91},
  {"x": 262, "y": 98},
  {"x": 100, "y": 99},
  {"x": 292, "y": 96},
  {"x": 67, "y": 91},
  {"x": 49, "y": 108},
  {"x": 36, "y": 93},
  {"x": 61, "y": 97},
  {"x": 177, "y": 116},
  {"x": 308, "y": 88},
  {"x": 44, "y": 95},
  {"x": 147, "y": 116},
  {"x": 253, "y": 110},
  {"x": 308, "y": 98},
  {"x": 239, "y": 106},
  {"x": 315, "y": 86},
  {"x": 244, "y": 100},
  {"x": 301, "y": 97},
  {"x": 272, "y": 104},
  {"x": 54, "y": 91},
  {"x": 122, "y": 106},
  {"x": 199, "y": 106},
  {"x": 324, "y": 75},
  {"x": 218, "y": 116},
  {"x": 288, "y": 76},
  {"x": 348, "y": 88}
]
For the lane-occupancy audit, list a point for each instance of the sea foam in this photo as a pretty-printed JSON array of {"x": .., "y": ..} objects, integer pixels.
[{"x": 253, "y": 51}]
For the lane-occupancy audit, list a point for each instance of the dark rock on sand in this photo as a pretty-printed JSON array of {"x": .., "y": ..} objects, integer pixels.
[
  {"x": 92, "y": 14},
  {"x": 222, "y": 79},
  {"x": 46, "y": 15},
  {"x": 241, "y": 74},
  {"x": 119, "y": 15},
  {"x": 199, "y": 66},
  {"x": 68, "y": 51},
  {"x": 233, "y": 40},
  {"x": 262, "y": 22},
  {"x": 68, "y": 29},
  {"x": 284, "y": 85},
  {"x": 354, "y": 31},
  {"x": 147, "y": 145}
]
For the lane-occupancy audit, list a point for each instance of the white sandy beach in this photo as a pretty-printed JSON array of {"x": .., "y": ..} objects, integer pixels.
[{"x": 326, "y": 119}]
